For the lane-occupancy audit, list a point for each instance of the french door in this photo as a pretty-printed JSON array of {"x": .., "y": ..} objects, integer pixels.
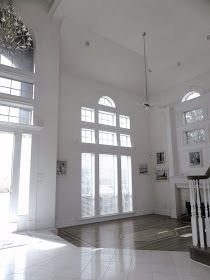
[
  {"x": 15, "y": 171},
  {"x": 106, "y": 184},
  {"x": 6, "y": 171}
]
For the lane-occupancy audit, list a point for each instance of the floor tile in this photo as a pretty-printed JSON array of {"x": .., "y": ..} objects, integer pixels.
[{"x": 52, "y": 258}]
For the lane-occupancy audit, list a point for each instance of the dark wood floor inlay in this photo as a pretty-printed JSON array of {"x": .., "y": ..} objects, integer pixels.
[{"x": 151, "y": 232}]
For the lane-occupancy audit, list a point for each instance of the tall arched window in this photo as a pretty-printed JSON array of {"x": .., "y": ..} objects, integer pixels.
[
  {"x": 16, "y": 124},
  {"x": 106, "y": 166},
  {"x": 191, "y": 95}
]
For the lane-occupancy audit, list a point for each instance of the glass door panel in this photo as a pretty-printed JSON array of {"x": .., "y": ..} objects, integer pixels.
[
  {"x": 108, "y": 184},
  {"x": 126, "y": 179},
  {"x": 6, "y": 166},
  {"x": 88, "y": 185}
]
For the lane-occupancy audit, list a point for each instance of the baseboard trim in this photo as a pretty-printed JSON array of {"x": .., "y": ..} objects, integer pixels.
[
  {"x": 164, "y": 212},
  {"x": 103, "y": 219}
]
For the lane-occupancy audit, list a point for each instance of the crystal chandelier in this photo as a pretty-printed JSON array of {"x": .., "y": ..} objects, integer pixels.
[{"x": 15, "y": 37}]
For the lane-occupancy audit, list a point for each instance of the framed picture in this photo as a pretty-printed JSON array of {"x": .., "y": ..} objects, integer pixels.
[
  {"x": 143, "y": 169},
  {"x": 61, "y": 167},
  {"x": 160, "y": 158},
  {"x": 161, "y": 174},
  {"x": 195, "y": 159}
]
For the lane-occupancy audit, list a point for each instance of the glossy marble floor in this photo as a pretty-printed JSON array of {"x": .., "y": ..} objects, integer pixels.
[
  {"x": 150, "y": 232},
  {"x": 48, "y": 257}
]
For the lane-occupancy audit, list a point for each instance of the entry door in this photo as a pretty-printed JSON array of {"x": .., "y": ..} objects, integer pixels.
[{"x": 6, "y": 167}]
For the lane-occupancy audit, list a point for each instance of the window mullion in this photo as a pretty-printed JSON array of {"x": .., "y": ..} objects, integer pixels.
[
  {"x": 97, "y": 199},
  {"x": 119, "y": 183}
]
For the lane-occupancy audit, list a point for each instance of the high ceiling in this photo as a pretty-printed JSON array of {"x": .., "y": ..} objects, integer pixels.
[{"x": 176, "y": 42}]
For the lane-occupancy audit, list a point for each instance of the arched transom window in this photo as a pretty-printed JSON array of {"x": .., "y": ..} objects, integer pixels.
[
  {"x": 106, "y": 101},
  {"x": 106, "y": 165},
  {"x": 191, "y": 95}
]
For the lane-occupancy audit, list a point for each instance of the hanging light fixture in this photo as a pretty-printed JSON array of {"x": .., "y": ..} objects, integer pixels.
[
  {"x": 146, "y": 104},
  {"x": 15, "y": 37}
]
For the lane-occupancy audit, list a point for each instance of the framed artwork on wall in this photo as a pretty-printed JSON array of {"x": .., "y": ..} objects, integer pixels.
[
  {"x": 195, "y": 158},
  {"x": 61, "y": 167},
  {"x": 161, "y": 174},
  {"x": 143, "y": 169},
  {"x": 160, "y": 158}
]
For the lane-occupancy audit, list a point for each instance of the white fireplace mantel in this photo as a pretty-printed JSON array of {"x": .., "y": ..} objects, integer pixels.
[{"x": 176, "y": 183}]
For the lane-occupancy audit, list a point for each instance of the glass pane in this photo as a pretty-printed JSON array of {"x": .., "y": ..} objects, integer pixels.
[
  {"x": 6, "y": 151},
  {"x": 106, "y": 101},
  {"x": 107, "y": 138},
  {"x": 190, "y": 96},
  {"x": 88, "y": 135},
  {"x": 88, "y": 185},
  {"x": 195, "y": 136},
  {"x": 21, "y": 61},
  {"x": 126, "y": 177},
  {"x": 25, "y": 172},
  {"x": 87, "y": 115},
  {"x": 125, "y": 140},
  {"x": 194, "y": 116},
  {"x": 5, "y": 82},
  {"x": 193, "y": 95},
  {"x": 14, "y": 112},
  {"x": 107, "y": 118},
  {"x": 4, "y": 110},
  {"x": 108, "y": 184},
  {"x": 25, "y": 117},
  {"x": 4, "y": 89},
  {"x": 16, "y": 88},
  {"x": 125, "y": 122},
  {"x": 15, "y": 115},
  {"x": 5, "y": 61},
  {"x": 6, "y": 164}
]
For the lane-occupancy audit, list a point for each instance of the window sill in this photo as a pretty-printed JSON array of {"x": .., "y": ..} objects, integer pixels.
[{"x": 8, "y": 126}]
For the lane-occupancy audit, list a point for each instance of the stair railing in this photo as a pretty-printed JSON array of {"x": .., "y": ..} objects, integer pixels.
[{"x": 200, "y": 209}]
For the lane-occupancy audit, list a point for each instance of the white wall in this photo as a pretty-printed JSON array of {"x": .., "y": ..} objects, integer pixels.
[
  {"x": 74, "y": 93},
  {"x": 158, "y": 137},
  {"x": 46, "y": 34},
  {"x": 177, "y": 160}
]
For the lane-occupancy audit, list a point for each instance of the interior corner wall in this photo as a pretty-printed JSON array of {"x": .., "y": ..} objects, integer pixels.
[
  {"x": 74, "y": 93},
  {"x": 47, "y": 61},
  {"x": 158, "y": 140}
]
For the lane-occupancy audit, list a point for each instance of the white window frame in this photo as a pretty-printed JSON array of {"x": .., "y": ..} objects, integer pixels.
[
  {"x": 189, "y": 94},
  {"x": 92, "y": 114},
  {"x": 106, "y": 113},
  {"x": 18, "y": 221},
  {"x": 117, "y": 150}
]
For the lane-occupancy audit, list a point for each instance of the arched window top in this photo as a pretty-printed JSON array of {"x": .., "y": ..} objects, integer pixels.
[
  {"x": 191, "y": 95},
  {"x": 6, "y": 61},
  {"x": 22, "y": 61},
  {"x": 106, "y": 101}
]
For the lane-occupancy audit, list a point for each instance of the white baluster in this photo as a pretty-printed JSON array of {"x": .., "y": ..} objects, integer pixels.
[
  {"x": 200, "y": 221},
  {"x": 208, "y": 200},
  {"x": 193, "y": 214},
  {"x": 207, "y": 224}
]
